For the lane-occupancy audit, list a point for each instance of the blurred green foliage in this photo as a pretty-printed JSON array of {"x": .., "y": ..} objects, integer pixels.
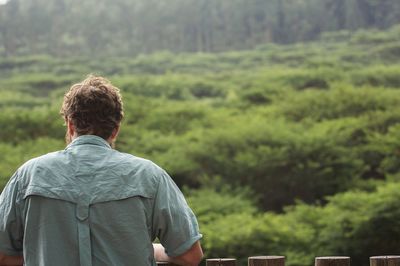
[
  {"x": 65, "y": 28},
  {"x": 356, "y": 224},
  {"x": 306, "y": 136}
]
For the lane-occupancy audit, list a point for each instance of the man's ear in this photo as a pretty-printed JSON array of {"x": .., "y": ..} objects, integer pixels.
[
  {"x": 70, "y": 127},
  {"x": 115, "y": 132}
]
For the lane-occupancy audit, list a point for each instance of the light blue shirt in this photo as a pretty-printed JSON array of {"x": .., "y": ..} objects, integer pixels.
[{"x": 92, "y": 205}]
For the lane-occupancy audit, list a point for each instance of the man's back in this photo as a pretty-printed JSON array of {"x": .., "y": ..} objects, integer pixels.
[{"x": 92, "y": 205}]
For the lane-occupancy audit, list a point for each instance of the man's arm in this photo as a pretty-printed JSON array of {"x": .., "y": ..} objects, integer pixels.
[
  {"x": 11, "y": 232},
  {"x": 192, "y": 257},
  {"x": 6, "y": 260}
]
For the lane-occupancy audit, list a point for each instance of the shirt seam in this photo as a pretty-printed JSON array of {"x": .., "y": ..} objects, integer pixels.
[{"x": 154, "y": 204}]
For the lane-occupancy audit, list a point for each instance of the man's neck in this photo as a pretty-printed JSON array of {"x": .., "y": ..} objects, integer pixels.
[{"x": 70, "y": 139}]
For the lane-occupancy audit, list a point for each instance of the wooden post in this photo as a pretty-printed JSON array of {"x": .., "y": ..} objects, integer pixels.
[
  {"x": 332, "y": 261},
  {"x": 221, "y": 262},
  {"x": 384, "y": 261},
  {"x": 267, "y": 261}
]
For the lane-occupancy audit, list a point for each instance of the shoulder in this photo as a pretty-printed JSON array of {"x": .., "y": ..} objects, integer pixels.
[
  {"x": 25, "y": 173},
  {"x": 137, "y": 170},
  {"x": 46, "y": 160},
  {"x": 137, "y": 164}
]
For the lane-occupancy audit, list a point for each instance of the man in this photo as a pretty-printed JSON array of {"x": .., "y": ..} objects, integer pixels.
[{"x": 90, "y": 204}]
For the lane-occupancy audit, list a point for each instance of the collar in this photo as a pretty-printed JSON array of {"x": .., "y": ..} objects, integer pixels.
[{"x": 89, "y": 139}]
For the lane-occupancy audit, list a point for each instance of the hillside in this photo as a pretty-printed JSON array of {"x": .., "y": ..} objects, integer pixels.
[{"x": 291, "y": 149}]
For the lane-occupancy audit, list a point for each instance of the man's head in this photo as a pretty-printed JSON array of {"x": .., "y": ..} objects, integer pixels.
[{"x": 92, "y": 107}]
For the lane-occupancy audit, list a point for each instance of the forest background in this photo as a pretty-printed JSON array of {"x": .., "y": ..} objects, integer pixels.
[{"x": 279, "y": 119}]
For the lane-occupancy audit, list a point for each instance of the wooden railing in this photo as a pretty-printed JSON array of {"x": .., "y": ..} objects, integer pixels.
[{"x": 280, "y": 261}]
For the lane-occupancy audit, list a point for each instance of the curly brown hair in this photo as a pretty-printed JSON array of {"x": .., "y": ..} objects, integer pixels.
[{"x": 94, "y": 106}]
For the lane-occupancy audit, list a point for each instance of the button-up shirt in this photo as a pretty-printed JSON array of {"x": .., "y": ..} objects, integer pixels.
[{"x": 92, "y": 205}]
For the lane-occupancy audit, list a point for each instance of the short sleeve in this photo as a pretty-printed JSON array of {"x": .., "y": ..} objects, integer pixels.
[
  {"x": 174, "y": 223},
  {"x": 11, "y": 230}
]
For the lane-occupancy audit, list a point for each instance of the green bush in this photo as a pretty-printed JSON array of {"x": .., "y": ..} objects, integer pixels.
[
  {"x": 388, "y": 52},
  {"x": 356, "y": 224},
  {"x": 341, "y": 101},
  {"x": 20, "y": 124},
  {"x": 361, "y": 224},
  {"x": 377, "y": 76}
]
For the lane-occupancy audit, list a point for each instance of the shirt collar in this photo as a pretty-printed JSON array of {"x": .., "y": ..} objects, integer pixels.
[{"x": 89, "y": 139}]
